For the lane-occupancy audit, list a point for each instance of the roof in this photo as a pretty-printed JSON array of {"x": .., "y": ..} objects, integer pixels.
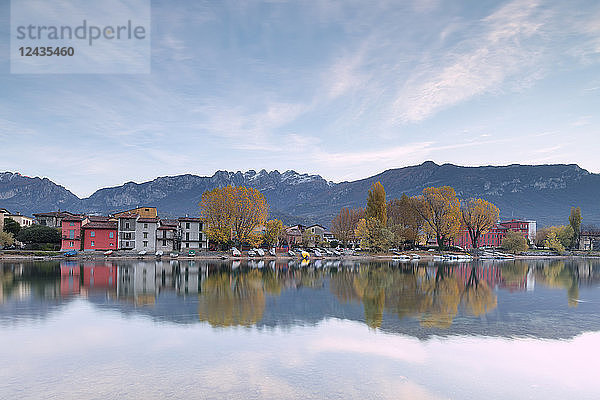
[
  {"x": 98, "y": 218},
  {"x": 128, "y": 215},
  {"x": 310, "y": 226},
  {"x": 54, "y": 214},
  {"x": 166, "y": 228},
  {"x": 190, "y": 219},
  {"x": 73, "y": 218},
  {"x": 100, "y": 225},
  {"x": 151, "y": 220}
]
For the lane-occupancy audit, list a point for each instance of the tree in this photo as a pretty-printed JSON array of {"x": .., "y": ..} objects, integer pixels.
[
  {"x": 403, "y": 220},
  {"x": 374, "y": 235},
  {"x": 39, "y": 234},
  {"x": 575, "y": 222},
  {"x": 478, "y": 217},
  {"x": 11, "y": 226},
  {"x": 514, "y": 242},
  {"x": 553, "y": 243},
  {"x": 376, "y": 205},
  {"x": 274, "y": 229},
  {"x": 440, "y": 209},
  {"x": 234, "y": 211},
  {"x": 344, "y": 224},
  {"x": 6, "y": 239},
  {"x": 309, "y": 239}
]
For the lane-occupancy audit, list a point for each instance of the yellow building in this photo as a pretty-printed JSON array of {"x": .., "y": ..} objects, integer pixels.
[{"x": 143, "y": 212}]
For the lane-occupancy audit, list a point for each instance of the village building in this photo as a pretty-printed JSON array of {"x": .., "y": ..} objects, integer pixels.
[
  {"x": 192, "y": 234},
  {"x": 126, "y": 229},
  {"x": 145, "y": 234},
  {"x": 99, "y": 234},
  {"x": 167, "y": 235},
  {"x": 3, "y": 212},
  {"x": 22, "y": 220},
  {"x": 293, "y": 234},
  {"x": 318, "y": 232},
  {"x": 71, "y": 232},
  {"x": 143, "y": 212},
  {"x": 494, "y": 237},
  {"x": 52, "y": 219}
]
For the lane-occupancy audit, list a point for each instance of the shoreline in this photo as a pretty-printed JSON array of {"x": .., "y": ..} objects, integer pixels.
[{"x": 222, "y": 256}]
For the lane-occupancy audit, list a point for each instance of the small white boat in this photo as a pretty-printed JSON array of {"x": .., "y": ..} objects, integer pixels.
[
  {"x": 108, "y": 253},
  {"x": 272, "y": 252},
  {"x": 142, "y": 253},
  {"x": 337, "y": 253},
  {"x": 260, "y": 252},
  {"x": 318, "y": 253},
  {"x": 415, "y": 256},
  {"x": 292, "y": 253},
  {"x": 251, "y": 253},
  {"x": 235, "y": 252},
  {"x": 174, "y": 255},
  {"x": 328, "y": 252},
  {"x": 402, "y": 257},
  {"x": 159, "y": 253}
]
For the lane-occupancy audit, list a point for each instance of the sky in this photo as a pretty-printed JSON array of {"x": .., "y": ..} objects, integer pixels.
[{"x": 344, "y": 89}]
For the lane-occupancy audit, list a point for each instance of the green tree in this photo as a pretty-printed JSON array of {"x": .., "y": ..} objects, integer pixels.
[
  {"x": 575, "y": 222},
  {"x": 374, "y": 235},
  {"x": 39, "y": 234},
  {"x": 514, "y": 242},
  {"x": 6, "y": 239},
  {"x": 554, "y": 243},
  {"x": 376, "y": 205},
  {"x": 274, "y": 228},
  {"x": 11, "y": 226}
]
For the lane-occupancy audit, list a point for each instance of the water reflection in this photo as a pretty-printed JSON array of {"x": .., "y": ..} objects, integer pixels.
[{"x": 420, "y": 299}]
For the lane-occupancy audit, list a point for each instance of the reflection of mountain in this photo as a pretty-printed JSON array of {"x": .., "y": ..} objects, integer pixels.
[{"x": 421, "y": 301}]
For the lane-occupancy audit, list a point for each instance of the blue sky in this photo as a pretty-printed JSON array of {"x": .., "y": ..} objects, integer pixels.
[{"x": 344, "y": 89}]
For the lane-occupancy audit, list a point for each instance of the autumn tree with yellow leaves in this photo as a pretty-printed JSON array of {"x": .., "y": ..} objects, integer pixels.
[
  {"x": 440, "y": 209},
  {"x": 233, "y": 213},
  {"x": 478, "y": 217}
]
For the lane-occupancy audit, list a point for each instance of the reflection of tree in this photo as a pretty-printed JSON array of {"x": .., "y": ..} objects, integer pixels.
[
  {"x": 440, "y": 304},
  {"x": 477, "y": 297},
  {"x": 557, "y": 275},
  {"x": 434, "y": 298},
  {"x": 230, "y": 300},
  {"x": 514, "y": 274}
]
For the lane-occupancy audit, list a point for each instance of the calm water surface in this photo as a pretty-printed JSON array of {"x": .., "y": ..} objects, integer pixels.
[{"x": 153, "y": 330}]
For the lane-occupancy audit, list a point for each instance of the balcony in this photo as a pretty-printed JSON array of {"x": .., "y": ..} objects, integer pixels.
[{"x": 71, "y": 238}]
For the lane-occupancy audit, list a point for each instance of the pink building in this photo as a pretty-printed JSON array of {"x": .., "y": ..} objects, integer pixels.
[{"x": 494, "y": 237}]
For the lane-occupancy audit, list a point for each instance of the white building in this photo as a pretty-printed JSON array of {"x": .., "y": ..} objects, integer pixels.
[{"x": 192, "y": 236}]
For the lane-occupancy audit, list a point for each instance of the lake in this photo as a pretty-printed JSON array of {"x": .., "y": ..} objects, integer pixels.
[{"x": 273, "y": 330}]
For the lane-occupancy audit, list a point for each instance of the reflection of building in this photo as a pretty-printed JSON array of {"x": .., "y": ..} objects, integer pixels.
[
  {"x": 97, "y": 275},
  {"x": 69, "y": 278},
  {"x": 137, "y": 281}
]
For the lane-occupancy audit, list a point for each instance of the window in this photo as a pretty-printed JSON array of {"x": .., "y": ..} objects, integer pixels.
[
  {"x": 145, "y": 243},
  {"x": 112, "y": 244},
  {"x": 187, "y": 236},
  {"x": 126, "y": 225},
  {"x": 93, "y": 244},
  {"x": 164, "y": 242},
  {"x": 71, "y": 244},
  {"x": 187, "y": 225},
  {"x": 126, "y": 244},
  {"x": 111, "y": 235},
  {"x": 187, "y": 245},
  {"x": 145, "y": 235},
  {"x": 92, "y": 233},
  {"x": 72, "y": 234},
  {"x": 145, "y": 225}
]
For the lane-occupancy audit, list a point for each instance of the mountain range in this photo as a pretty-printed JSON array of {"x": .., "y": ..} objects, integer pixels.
[{"x": 544, "y": 193}]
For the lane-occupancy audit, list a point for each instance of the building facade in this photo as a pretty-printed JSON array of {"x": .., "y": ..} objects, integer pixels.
[
  {"x": 145, "y": 234},
  {"x": 71, "y": 233},
  {"x": 192, "y": 236},
  {"x": 52, "y": 219},
  {"x": 494, "y": 237},
  {"x": 99, "y": 235},
  {"x": 126, "y": 230},
  {"x": 167, "y": 236},
  {"x": 22, "y": 220},
  {"x": 143, "y": 212}
]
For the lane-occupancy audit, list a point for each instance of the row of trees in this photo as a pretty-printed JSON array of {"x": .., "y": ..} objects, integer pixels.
[
  {"x": 35, "y": 236},
  {"x": 561, "y": 237},
  {"x": 436, "y": 213}
]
